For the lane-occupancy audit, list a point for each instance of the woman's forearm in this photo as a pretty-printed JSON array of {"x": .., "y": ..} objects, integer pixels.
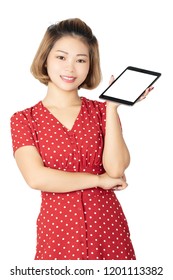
[
  {"x": 116, "y": 157},
  {"x": 52, "y": 180},
  {"x": 43, "y": 178}
]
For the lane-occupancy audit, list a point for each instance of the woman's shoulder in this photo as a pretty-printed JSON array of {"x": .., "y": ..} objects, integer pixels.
[
  {"x": 97, "y": 110},
  {"x": 94, "y": 103},
  {"x": 26, "y": 112}
]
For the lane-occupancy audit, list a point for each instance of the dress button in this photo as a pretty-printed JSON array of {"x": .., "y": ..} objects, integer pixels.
[
  {"x": 71, "y": 133},
  {"x": 72, "y": 138}
]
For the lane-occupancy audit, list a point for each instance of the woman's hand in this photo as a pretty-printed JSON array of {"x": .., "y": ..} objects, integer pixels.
[
  {"x": 111, "y": 103},
  {"x": 106, "y": 182}
]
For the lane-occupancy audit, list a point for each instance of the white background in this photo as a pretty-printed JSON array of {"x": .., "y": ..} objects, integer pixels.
[{"x": 136, "y": 33}]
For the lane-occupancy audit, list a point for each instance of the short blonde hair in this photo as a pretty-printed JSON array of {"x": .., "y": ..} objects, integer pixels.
[{"x": 70, "y": 27}]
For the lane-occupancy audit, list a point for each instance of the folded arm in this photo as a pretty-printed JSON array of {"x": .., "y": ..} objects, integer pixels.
[{"x": 39, "y": 177}]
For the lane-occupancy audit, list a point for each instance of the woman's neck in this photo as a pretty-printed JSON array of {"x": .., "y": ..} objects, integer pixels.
[{"x": 61, "y": 99}]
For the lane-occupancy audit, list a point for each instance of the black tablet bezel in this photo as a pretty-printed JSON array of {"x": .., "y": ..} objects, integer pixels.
[{"x": 126, "y": 102}]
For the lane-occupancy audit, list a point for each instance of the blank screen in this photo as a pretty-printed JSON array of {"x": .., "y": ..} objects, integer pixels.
[{"x": 130, "y": 85}]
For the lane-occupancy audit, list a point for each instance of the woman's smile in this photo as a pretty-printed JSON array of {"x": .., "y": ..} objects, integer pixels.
[{"x": 68, "y": 79}]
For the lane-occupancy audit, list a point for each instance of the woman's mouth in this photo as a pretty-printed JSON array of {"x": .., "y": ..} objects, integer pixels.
[{"x": 68, "y": 79}]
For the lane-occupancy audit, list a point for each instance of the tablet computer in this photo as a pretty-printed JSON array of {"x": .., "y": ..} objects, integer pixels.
[{"x": 128, "y": 87}]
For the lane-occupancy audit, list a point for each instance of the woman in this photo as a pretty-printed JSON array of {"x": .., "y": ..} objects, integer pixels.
[{"x": 72, "y": 150}]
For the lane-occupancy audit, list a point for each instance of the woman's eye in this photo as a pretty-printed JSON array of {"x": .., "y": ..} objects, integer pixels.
[
  {"x": 81, "y": 61},
  {"x": 60, "y": 57}
]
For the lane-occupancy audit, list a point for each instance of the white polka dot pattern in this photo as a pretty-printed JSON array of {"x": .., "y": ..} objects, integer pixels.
[{"x": 87, "y": 224}]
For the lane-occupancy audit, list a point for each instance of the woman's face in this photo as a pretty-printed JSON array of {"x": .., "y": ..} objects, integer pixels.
[{"x": 68, "y": 63}]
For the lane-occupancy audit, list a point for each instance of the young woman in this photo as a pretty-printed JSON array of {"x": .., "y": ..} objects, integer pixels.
[{"x": 72, "y": 150}]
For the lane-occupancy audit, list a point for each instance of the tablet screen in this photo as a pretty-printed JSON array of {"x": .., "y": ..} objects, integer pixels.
[{"x": 130, "y": 85}]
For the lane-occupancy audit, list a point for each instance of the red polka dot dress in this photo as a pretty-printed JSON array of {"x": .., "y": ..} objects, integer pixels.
[{"x": 80, "y": 225}]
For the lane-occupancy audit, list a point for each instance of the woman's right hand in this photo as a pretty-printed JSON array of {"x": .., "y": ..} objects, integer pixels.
[{"x": 106, "y": 182}]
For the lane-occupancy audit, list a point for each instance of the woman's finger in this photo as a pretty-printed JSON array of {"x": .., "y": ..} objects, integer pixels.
[
  {"x": 111, "y": 79},
  {"x": 146, "y": 93}
]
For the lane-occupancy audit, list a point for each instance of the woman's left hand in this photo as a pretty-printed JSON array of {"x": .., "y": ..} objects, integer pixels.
[{"x": 112, "y": 103}]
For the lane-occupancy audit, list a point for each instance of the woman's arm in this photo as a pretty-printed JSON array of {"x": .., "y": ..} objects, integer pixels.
[
  {"x": 116, "y": 157},
  {"x": 39, "y": 177}
]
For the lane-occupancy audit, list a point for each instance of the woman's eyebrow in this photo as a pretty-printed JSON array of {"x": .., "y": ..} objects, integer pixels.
[
  {"x": 62, "y": 51},
  {"x": 80, "y": 54}
]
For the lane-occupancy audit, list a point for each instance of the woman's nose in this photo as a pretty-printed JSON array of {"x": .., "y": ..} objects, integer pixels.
[{"x": 70, "y": 65}]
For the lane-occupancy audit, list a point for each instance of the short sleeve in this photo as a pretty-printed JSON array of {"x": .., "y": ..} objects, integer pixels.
[
  {"x": 21, "y": 131},
  {"x": 102, "y": 115}
]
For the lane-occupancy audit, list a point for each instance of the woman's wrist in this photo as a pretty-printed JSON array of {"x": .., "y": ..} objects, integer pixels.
[{"x": 112, "y": 105}]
